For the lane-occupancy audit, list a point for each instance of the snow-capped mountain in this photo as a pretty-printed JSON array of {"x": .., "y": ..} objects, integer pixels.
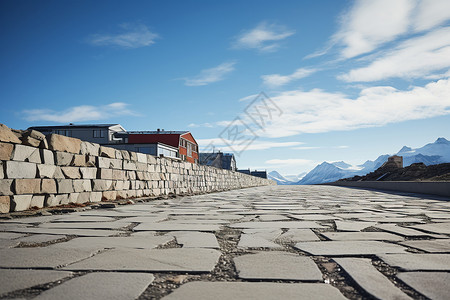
[
  {"x": 274, "y": 175},
  {"x": 295, "y": 178},
  {"x": 430, "y": 154}
]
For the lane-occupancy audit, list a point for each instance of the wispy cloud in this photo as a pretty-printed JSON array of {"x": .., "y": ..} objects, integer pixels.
[
  {"x": 211, "y": 75},
  {"x": 277, "y": 80},
  {"x": 207, "y": 125},
  {"x": 264, "y": 37},
  {"x": 306, "y": 148},
  {"x": 317, "y": 111},
  {"x": 129, "y": 36},
  {"x": 414, "y": 58},
  {"x": 79, "y": 113}
]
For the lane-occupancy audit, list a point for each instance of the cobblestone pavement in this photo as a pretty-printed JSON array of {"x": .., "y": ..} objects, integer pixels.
[{"x": 278, "y": 242}]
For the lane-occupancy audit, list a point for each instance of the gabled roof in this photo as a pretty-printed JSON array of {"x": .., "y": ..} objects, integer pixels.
[
  {"x": 75, "y": 126},
  {"x": 158, "y": 132}
]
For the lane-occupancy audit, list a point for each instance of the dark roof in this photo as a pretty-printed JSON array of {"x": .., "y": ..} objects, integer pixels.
[
  {"x": 74, "y": 126},
  {"x": 159, "y": 132},
  {"x": 216, "y": 159}
]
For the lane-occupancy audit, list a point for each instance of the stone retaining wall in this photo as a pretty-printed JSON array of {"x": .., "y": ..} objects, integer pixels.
[{"x": 38, "y": 171}]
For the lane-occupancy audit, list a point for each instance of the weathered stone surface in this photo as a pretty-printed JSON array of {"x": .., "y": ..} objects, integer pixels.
[
  {"x": 418, "y": 262},
  {"x": 71, "y": 172},
  {"x": 107, "y": 152},
  {"x": 37, "y": 201},
  {"x": 19, "y": 169},
  {"x": 100, "y": 185},
  {"x": 370, "y": 279},
  {"x": 293, "y": 224},
  {"x": 26, "y": 153},
  {"x": 79, "y": 160},
  {"x": 95, "y": 197},
  {"x": 20, "y": 202},
  {"x": 22, "y": 279},
  {"x": 46, "y": 171},
  {"x": 63, "y": 158},
  {"x": 125, "y": 154},
  {"x": 58, "y": 173},
  {"x": 87, "y": 225},
  {"x": 275, "y": 265},
  {"x": 141, "y": 157},
  {"x": 113, "y": 286},
  {"x": 341, "y": 248},
  {"x": 6, "y": 135},
  {"x": 47, "y": 156},
  {"x": 65, "y": 186},
  {"x": 6, "y": 151},
  {"x": 45, "y": 257},
  {"x": 67, "y": 231},
  {"x": 6, "y": 187},
  {"x": 254, "y": 290},
  {"x": 54, "y": 200},
  {"x": 192, "y": 239},
  {"x": 48, "y": 186},
  {"x": 361, "y": 236},
  {"x": 175, "y": 227},
  {"x": 88, "y": 173},
  {"x": 129, "y": 165},
  {"x": 27, "y": 186},
  {"x": 109, "y": 195},
  {"x": 298, "y": 235},
  {"x": 353, "y": 225},
  {"x": 168, "y": 260},
  {"x": 105, "y": 173},
  {"x": 2, "y": 173},
  {"x": 443, "y": 227},
  {"x": 89, "y": 148},
  {"x": 4, "y": 205},
  {"x": 63, "y": 143},
  {"x": 82, "y": 185},
  {"x": 434, "y": 285}
]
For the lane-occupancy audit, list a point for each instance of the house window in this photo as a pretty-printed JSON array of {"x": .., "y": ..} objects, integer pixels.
[
  {"x": 99, "y": 133},
  {"x": 64, "y": 132}
]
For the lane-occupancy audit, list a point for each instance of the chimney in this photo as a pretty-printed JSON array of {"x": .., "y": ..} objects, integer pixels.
[{"x": 158, "y": 130}]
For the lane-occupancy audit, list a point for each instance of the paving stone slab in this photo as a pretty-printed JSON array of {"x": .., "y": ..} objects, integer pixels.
[
  {"x": 8, "y": 243},
  {"x": 41, "y": 257},
  {"x": 434, "y": 285},
  {"x": 432, "y": 246},
  {"x": 434, "y": 227},
  {"x": 148, "y": 242},
  {"x": 265, "y": 233},
  {"x": 353, "y": 225},
  {"x": 254, "y": 290},
  {"x": 87, "y": 225},
  {"x": 76, "y": 218},
  {"x": 176, "y": 227},
  {"x": 192, "y": 239},
  {"x": 418, "y": 262},
  {"x": 161, "y": 260},
  {"x": 10, "y": 235},
  {"x": 101, "y": 285},
  {"x": 255, "y": 241},
  {"x": 67, "y": 231},
  {"x": 345, "y": 248},
  {"x": 298, "y": 235},
  {"x": 370, "y": 279},
  {"x": 282, "y": 224},
  {"x": 23, "y": 279},
  {"x": 361, "y": 236},
  {"x": 40, "y": 238},
  {"x": 275, "y": 265},
  {"x": 402, "y": 230}
]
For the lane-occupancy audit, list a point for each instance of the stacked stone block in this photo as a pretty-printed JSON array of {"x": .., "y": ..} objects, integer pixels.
[{"x": 38, "y": 171}]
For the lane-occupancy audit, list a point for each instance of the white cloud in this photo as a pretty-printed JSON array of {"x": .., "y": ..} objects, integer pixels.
[
  {"x": 79, "y": 113},
  {"x": 264, "y": 37},
  {"x": 276, "y": 80},
  {"x": 306, "y": 148},
  {"x": 290, "y": 162},
  {"x": 318, "y": 111},
  {"x": 413, "y": 58},
  {"x": 130, "y": 36},
  {"x": 211, "y": 75},
  {"x": 207, "y": 125},
  {"x": 370, "y": 24},
  {"x": 431, "y": 13}
]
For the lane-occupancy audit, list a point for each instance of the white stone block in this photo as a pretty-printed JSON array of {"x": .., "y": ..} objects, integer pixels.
[
  {"x": 37, "y": 201},
  {"x": 19, "y": 169},
  {"x": 48, "y": 157},
  {"x": 21, "y": 202},
  {"x": 46, "y": 171}
]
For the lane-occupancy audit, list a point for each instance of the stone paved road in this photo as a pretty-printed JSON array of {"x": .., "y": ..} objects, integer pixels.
[{"x": 280, "y": 242}]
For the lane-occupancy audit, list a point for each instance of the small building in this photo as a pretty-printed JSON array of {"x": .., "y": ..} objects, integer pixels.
[
  {"x": 174, "y": 144},
  {"x": 221, "y": 160},
  {"x": 394, "y": 161},
  {"x": 102, "y": 134},
  {"x": 256, "y": 173}
]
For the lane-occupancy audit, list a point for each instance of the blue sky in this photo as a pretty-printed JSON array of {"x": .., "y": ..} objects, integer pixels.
[{"x": 351, "y": 79}]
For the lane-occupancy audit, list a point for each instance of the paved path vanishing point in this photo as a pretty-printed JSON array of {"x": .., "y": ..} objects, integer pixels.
[{"x": 279, "y": 242}]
